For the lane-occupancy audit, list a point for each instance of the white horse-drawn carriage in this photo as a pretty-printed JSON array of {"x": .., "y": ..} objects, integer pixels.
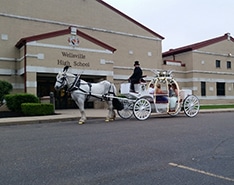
[
  {"x": 140, "y": 103},
  {"x": 145, "y": 101}
]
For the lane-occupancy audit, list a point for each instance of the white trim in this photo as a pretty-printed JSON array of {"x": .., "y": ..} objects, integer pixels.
[
  {"x": 204, "y": 80},
  {"x": 121, "y": 77},
  {"x": 31, "y": 84},
  {"x": 7, "y": 59},
  {"x": 213, "y": 53},
  {"x": 39, "y": 56},
  {"x": 131, "y": 68},
  {"x": 215, "y": 97},
  {"x": 190, "y": 88},
  {"x": 180, "y": 72},
  {"x": 101, "y": 72},
  {"x": 126, "y": 34},
  {"x": 205, "y": 72},
  {"x": 37, "y": 44},
  {"x": 20, "y": 59},
  {"x": 37, "y": 69},
  {"x": 20, "y": 71},
  {"x": 104, "y": 61},
  {"x": 31, "y": 55},
  {"x": 7, "y": 72},
  {"x": 181, "y": 80},
  {"x": 125, "y": 77},
  {"x": 173, "y": 63},
  {"x": 78, "y": 26},
  {"x": 122, "y": 67},
  {"x": 21, "y": 85},
  {"x": 18, "y": 85}
]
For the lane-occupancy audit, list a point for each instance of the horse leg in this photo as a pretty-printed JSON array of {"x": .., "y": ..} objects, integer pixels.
[
  {"x": 82, "y": 113},
  {"x": 111, "y": 113},
  {"x": 80, "y": 103},
  {"x": 83, "y": 117}
]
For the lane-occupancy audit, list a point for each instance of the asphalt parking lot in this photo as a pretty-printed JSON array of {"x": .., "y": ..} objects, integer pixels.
[{"x": 161, "y": 150}]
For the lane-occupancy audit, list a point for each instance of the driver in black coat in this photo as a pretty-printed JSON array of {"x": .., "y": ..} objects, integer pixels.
[{"x": 136, "y": 76}]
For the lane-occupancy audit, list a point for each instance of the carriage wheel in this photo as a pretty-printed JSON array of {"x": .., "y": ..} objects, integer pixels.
[
  {"x": 126, "y": 112},
  {"x": 142, "y": 109},
  {"x": 191, "y": 106}
]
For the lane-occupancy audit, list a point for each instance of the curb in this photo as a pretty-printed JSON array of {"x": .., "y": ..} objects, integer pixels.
[
  {"x": 26, "y": 122},
  {"x": 66, "y": 117}
]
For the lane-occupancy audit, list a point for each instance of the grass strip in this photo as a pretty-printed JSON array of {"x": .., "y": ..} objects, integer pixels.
[{"x": 216, "y": 106}]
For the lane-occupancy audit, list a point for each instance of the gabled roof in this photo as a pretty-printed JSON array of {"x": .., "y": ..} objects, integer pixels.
[
  {"x": 24, "y": 40},
  {"x": 130, "y": 19},
  {"x": 197, "y": 45}
]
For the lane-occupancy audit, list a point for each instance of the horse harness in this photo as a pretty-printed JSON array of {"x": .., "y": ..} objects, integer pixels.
[{"x": 76, "y": 86}]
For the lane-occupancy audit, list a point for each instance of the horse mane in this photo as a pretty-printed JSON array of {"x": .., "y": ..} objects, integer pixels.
[
  {"x": 65, "y": 69},
  {"x": 69, "y": 74}
]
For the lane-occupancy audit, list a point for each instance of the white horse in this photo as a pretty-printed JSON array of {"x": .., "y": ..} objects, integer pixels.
[{"x": 82, "y": 91}]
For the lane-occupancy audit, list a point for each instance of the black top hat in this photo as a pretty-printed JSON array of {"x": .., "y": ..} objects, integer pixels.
[{"x": 136, "y": 63}]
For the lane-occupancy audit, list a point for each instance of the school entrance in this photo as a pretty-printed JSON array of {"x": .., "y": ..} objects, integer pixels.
[{"x": 63, "y": 100}]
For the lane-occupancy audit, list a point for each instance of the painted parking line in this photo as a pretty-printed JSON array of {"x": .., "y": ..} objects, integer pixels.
[{"x": 201, "y": 171}]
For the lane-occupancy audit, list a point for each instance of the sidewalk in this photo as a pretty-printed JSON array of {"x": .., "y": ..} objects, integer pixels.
[
  {"x": 74, "y": 115},
  {"x": 60, "y": 115}
]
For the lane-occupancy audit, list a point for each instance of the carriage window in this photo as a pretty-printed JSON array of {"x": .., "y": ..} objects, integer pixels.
[
  {"x": 220, "y": 87},
  {"x": 218, "y": 63},
  {"x": 203, "y": 88}
]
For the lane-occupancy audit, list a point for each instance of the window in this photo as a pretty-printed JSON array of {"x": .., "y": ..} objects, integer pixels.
[
  {"x": 218, "y": 63},
  {"x": 220, "y": 87},
  {"x": 229, "y": 65},
  {"x": 203, "y": 88}
]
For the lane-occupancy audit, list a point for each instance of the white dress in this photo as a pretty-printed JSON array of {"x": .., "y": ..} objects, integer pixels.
[
  {"x": 173, "y": 101},
  {"x": 151, "y": 90}
]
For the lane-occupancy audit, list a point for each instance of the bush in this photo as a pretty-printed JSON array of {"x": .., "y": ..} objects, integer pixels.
[
  {"x": 14, "y": 101},
  {"x": 37, "y": 109},
  {"x": 5, "y": 88}
]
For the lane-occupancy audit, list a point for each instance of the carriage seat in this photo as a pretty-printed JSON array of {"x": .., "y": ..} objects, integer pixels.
[
  {"x": 161, "y": 99},
  {"x": 125, "y": 87},
  {"x": 139, "y": 85},
  {"x": 142, "y": 79}
]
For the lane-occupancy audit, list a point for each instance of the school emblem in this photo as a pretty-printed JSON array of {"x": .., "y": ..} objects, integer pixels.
[{"x": 73, "y": 40}]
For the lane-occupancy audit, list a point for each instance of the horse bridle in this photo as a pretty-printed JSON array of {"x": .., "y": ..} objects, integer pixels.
[
  {"x": 62, "y": 81},
  {"x": 64, "y": 78}
]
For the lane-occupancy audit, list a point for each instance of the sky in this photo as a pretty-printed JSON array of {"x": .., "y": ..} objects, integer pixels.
[{"x": 181, "y": 22}]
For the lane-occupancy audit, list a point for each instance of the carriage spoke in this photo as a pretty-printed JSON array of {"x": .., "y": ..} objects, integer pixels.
[
  {"x": 142, "y": 109},
  {"x": 191, "y": 106},
  {"x": 126, "y": 112}
]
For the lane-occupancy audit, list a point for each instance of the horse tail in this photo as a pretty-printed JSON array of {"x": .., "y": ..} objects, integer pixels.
[{"x": 117, "y": 104}]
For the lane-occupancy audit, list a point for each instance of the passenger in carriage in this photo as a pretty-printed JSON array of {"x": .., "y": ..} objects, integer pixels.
[
  {"x": 160, "y": 95},
  {"x": 136, "y": 76},
  {"x": 174, "y": 97},
  {"x": 170, "y": 90},
  {"x": 151, "y": 89},
  {"x": 174, "y": 90}
]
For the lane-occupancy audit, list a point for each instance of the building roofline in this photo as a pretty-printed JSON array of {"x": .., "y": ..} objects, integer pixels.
[
  {"x": 130, "y": 19},
  {"x": 197, "y": 45},
  {"x": 24, "y": 40}
]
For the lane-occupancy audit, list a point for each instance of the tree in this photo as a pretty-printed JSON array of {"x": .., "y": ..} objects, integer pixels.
[{"x": 5, "y": 88}]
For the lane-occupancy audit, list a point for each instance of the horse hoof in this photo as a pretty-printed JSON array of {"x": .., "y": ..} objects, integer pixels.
[{"x": 80, "y": 122}]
